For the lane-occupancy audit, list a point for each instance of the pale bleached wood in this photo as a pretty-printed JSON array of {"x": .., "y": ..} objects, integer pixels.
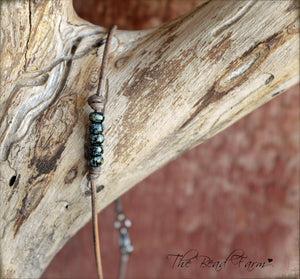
[{"x": 170, "y": 89}]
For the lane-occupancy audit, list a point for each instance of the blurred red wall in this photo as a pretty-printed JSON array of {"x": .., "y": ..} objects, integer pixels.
[{"x": 238, "y": 190}]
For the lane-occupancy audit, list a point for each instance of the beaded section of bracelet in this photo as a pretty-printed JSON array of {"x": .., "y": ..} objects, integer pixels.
[{"x": 96, "y": 139}]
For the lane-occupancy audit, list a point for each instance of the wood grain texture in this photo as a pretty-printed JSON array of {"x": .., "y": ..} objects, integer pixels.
[{"x": 170, "y": 88}]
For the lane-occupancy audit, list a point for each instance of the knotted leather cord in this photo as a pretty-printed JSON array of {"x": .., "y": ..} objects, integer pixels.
[{"x": 97, "y": 102}]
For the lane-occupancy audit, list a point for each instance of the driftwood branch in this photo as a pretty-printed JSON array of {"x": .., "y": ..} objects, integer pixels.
[{"x": 170, "y": 88}]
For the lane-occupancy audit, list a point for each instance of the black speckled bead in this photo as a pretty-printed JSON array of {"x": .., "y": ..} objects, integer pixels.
[
  {"x": 96, "y": 128},
  {"x": 96, "y": 139},
  {"x": 96, "y": 150},
  {"x": 97, "y": 117},
  {"x": 96, "y": 161}
]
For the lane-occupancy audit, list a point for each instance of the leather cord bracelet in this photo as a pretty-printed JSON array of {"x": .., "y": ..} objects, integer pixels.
[{"x": 97, "y": 103}]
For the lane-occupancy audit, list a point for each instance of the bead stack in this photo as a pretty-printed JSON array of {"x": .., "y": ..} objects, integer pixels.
[{"x": 96, "y": 139}]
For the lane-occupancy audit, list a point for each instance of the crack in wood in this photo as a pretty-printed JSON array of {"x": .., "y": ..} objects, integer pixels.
[
  {"x": 234, "y": 18},
  {"x": 29, "y": 35},
  {"x": 238, "y": 72}
]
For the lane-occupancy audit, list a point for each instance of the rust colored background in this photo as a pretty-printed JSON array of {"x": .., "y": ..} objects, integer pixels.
[{"x": 238, "y": 190}]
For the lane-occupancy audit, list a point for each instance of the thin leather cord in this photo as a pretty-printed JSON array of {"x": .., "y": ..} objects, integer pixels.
[
  {"x": 95, "y": 230},
  {"x": 97, "y": 102},
  {"x": 104, "y": 59}
]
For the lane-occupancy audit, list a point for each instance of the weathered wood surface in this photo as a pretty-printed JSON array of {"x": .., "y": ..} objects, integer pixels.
[{"x": 170, "y": 89}]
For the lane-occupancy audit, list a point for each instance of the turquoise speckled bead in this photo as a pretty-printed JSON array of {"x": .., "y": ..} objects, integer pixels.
[
  {"x": 97, "y": 117},
  {"x": 96, "y": 161},
  {"x": 96, "y": 150},
  {"x": 96, "y": 128},
  {"x": 96, "y": 139}
]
